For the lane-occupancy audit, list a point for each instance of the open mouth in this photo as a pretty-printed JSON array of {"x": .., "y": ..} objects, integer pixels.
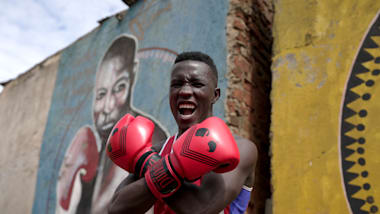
[{"x": 186, "y": 109}]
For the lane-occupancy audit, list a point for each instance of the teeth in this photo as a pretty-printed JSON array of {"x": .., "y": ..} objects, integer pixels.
[
  {"x": 107, "y": 126},
  {"x": 186, "y": 106}
]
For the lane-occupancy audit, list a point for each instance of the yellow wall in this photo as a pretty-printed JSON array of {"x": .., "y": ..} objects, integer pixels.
[{"x": 315, "y": 46}]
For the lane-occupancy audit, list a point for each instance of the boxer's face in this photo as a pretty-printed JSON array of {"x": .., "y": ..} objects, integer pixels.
[
  {"x": 111, "y": 93},
  {"x": 192, "y": 93}
]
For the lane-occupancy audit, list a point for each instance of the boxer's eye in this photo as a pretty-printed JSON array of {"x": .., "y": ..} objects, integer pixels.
[{"x": 198, "y": 84}]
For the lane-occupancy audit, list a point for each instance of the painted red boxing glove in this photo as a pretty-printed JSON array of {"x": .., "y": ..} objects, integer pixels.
[
  {"x": 130, "y": 142},
  {"x": 81, "y": 157},
  {"x": 207, "y": 146}
]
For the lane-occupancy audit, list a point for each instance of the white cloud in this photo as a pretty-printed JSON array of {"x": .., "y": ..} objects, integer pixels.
[{"x": 32, "y": 30}]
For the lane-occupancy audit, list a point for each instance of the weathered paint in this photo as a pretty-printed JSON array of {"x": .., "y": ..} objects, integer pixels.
[{"x": 316, "y": 44}]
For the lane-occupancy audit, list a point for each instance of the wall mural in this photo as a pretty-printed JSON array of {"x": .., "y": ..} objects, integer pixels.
[
  {"x": 360, "y": 125},
  {"x": 121, "y": 67},
  {"x": 112, "y": 99}
]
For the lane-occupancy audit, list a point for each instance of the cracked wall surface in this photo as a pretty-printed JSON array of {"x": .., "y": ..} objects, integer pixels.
[{"x": 320, "y": 160}]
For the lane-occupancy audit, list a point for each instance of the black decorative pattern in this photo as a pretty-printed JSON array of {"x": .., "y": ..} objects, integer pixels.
[{"x": 357, "y": 203}]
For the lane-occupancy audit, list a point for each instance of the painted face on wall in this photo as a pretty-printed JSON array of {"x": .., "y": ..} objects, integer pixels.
[
  {"x": 192, "y": 93},
  {"x": 112, "y": 89}
]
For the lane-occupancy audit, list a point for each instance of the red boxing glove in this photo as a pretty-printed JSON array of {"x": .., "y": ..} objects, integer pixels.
[
  {"x": 81, "y": 154},
  {"x": 204, "y": 147},
  {"x": 130, "y": 142}
]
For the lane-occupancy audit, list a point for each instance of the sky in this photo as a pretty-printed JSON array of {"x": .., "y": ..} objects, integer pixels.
[{"x": 32, "y": 30}]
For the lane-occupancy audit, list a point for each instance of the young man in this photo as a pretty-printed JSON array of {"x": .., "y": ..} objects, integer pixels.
[{"x": 193, "y": 91}]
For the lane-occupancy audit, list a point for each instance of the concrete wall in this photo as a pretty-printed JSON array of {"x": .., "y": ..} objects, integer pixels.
[
  {"x": 24, "y": 108},
  {"x": 325, "y": 107}
]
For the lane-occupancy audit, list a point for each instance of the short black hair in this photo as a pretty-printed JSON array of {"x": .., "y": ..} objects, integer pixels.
[{"x": 198, "y": 56}]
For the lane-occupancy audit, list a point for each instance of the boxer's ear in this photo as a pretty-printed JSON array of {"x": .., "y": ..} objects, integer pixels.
[{"x": 216, "y": 95}]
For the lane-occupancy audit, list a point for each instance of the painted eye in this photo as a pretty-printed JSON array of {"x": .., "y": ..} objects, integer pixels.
[
  {"x": 101, "y": 94},
  {"x": 119, "y": 87}
]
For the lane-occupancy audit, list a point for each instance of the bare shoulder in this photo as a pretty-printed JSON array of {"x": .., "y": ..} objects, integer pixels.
[
  {"x": 248, "y": 158},
  {"x": 246, "y": 148}
]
